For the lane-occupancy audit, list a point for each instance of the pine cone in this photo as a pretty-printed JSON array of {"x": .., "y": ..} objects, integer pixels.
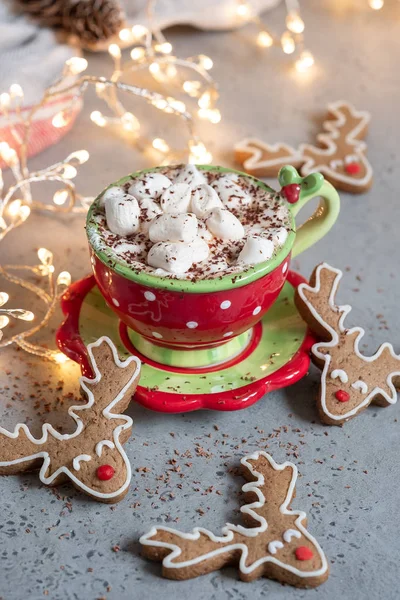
[{"x": 90, "y": 20}]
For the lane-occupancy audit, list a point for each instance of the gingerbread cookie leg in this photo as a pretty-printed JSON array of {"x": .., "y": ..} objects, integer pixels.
[
  {"x": 263, "y": 160},
  {"x": 275, "y": 542},
  {"x": 341, "y": 157},
  {"x": 350, "y": 381},
  {"x": 92, "y": 457}
]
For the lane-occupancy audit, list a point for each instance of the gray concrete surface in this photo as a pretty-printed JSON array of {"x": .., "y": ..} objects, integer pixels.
[{"x": 60, "y": 545}]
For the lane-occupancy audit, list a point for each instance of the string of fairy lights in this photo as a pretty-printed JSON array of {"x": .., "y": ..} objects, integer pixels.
[{"x": 187, "y": 83}]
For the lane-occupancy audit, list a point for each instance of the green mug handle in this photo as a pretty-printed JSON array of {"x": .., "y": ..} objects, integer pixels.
[{"x": 322, "y": 220}]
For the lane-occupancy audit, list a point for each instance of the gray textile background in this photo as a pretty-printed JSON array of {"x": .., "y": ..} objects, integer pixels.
[{"x": 56, "y": 543}]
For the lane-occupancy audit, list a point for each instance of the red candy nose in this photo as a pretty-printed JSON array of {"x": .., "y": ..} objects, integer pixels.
[
  {"x": 303, "y": 553},
  {"x": 342, "y": 396},
  {"x": 105, "y": 472},
  {"x": 291, "y": 192},
  {"x": 352, "y": 168}
]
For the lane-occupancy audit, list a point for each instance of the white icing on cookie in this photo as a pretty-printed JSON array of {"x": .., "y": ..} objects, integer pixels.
[
  {"x": 291, "y": 533},
  {"x": 274, "y": 546},
  {"x": 360, "y": 385},
  {"x": 76, "y": 462},
  {"x": 340, "y": 374},
  {"x": 100, "y": 446}
]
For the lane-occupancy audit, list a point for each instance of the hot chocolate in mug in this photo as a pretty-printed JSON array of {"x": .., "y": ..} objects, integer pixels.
[{"x": 185, "y": 323}]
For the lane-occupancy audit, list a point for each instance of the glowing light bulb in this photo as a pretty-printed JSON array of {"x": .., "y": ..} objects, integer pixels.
[
  {"x": 5, "y": 100},
  {"x": 24, "y": 212},
  {"x": 61, "y": 119},
  {"x": 160, "y": 144},
  {"x": 294, "y": 22},
  {"x": 205, "y": 100},
  {"x": 4, "y": 321},
  {"x": 4, "y": 297},
  {"x": 45, "y": 256},
  {"x": 154, "y": 68},
  {"x": 8, "y": 154},
  {"x": 114, "y": 50},
  {"x": 138, "y": 53},
  {"x": 76, "y": 65},
  {"x": 139, "y": 31},
  {"x": 205, "y": 62},
  {"x": 191, "y": 88},
  {"x": 264, "y": 39},
  {"x": 177, "y": 104},
  {"x": 288, "y": 43},
  {"x": 125, "y": 35},
  {"x": 376, "y": 4},
  {"x": 14, "y": 208},
  {"x": 64, "y": 278},
  {"x": 304, "y": 62},
  {"x": 199, "y": 153},
  {"x": 69, "y": 172},
  {"x": 60, "y": 197},
  {"x": 243, "y": 10},
  {"x": 60, "y": 358},
  {"x": 16, "y": 91},
  {"x": 160, "y": 103},
  {"x": 164, "y": 48},
  {"x": 81, "y": 156},
  {"x": 211, "y": 114},
  {"x": 130, "y": 122},
  {"x": 98, "y": 118}
]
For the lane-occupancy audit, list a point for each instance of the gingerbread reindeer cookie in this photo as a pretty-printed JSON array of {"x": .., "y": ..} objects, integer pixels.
[
  {"x": 275, "y": 542},
  {"x": 92, "y": 457},
  {"x": 340, "y": 154},
  {"x": 350, "y": 381}
]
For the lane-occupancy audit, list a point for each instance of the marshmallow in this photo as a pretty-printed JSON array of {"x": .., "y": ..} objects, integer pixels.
[
  {"x": 203, "y": 232},
  {"x": 113, "y": 192},
  {"x": 199, "y": 249},
  {"x": 122, "y": 214},
  {"x": 191, "y": 175},
  {"x": 174, "y": 257},
  {"x": 224, "y": 225},
  {"x": 279, "y": 236},
  {"x": 204, "y": 198},
  {"x": 173, "y": 228},
  {"x": 148, "y": 210},
  {"x": 175, "y": 200},
  {"x": 256, "y": 250},
  {"x": 150, "y": 185},
  {"x": 231, "y": 194}
]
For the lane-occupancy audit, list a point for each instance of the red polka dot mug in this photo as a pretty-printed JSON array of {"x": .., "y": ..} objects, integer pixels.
[{"x": 212, "y": 318}]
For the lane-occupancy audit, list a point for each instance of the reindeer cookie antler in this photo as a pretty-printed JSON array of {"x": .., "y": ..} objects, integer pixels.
[
  {"x": 274, "y": 543},
  {"x": 340, "y": 158},
  {"x": 350, "y": 381},
  {"x": 92, "y": 457}
]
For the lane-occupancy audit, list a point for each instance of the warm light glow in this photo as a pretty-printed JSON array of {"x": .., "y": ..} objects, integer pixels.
[
  {"x": 130, "y": 122},
  {"x": 160, "y": 144},
  {"x": 288, "y": 43},
  {"x": 60, "y": 197},
  {"x": 16, "y": 91},
  {"x": 376, "y": 4},
  {"x": 192, "y": 88},
  {"x": 8, "y": 154},
  {"x": 139, "y": 31},
  {"x": 14, "y": 207},
  {"x": 205, "y": 62},
  {"x": 125, "y": 35},
  {"x": 60, "y": 358},
  {"x": 5, "y": 100},
  {"x": 45, "y": 256},
  {"x": 177, "y": 104},
  {"x": 154, "y": 68},
  {"x": 114, "y": 50},
  {"x": 98, "y": 118},
  {"x": 64, "y": 278},
  {"x": 24, "y": 212},
  {"x": 81, "y": 156},
  {"x": 76, "y": 65},
  {"x": 211, "y": 114},
  {"x": 4, "y": 321},
  {"x": 61, "y": 119},
  {"x": 264, "y": 39},
  {"x": 69, "y": 172},
  {"x": 138, "y": 53},
  {"x": 294, "y": 22},
  {"x": 4, "y": 297},
  {"x": 205, "y": 100},
  {"x": 160, "y": 103},
  {"x": 243, "y": 10},
  {"x": 164, "y": 48},
  {"x": 199, "y": 153},
  {"x": 24, "y": 315},
  {"x": 305, "y": 61}
]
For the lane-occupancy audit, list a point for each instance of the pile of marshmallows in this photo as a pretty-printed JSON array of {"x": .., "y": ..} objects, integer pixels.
[{"x": 180, "y": 217}]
